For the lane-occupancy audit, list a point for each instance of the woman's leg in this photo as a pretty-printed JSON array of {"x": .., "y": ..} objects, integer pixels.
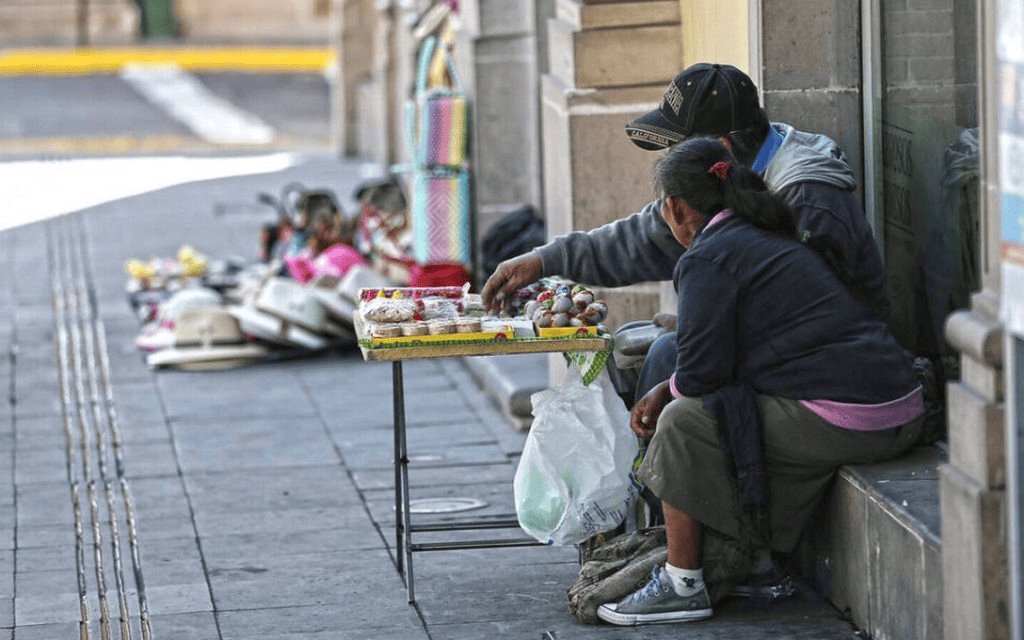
[
  {"x": 676, "y": 592},
  {"x": 684, "y": 537}
]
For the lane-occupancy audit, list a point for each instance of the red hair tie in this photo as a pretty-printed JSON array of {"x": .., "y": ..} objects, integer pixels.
[{"x": 720, "y": 169}]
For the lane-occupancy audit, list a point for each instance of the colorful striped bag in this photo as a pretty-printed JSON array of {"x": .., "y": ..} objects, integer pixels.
[
  {"x": 437, "y": 124},
  {"x": 442, "y": 130},
  {"x": 440, "y": 224}
]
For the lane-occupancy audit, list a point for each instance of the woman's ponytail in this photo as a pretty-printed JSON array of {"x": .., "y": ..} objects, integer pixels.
[{"x": 747, "y": 196}]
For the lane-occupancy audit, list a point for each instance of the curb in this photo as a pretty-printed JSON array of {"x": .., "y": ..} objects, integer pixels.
[
  {"x": 511, "y": 380},
  {"x": 111, "y": 60}
]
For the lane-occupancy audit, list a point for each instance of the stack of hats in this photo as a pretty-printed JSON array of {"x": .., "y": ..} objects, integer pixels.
[
  {"x": 207, "y": 338},
  {"x": 284, "y": 313},
  {"x": 193, "y": 328},
  {"x": 159, "y": 333},
  {"x": 152, "y": 282}
]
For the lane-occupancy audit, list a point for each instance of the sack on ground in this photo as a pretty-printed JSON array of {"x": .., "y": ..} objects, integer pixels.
[
  {"x": 623, "y": 564},
  {"x": 614, "y": 569},
  {"x": 573, "y": 478}
]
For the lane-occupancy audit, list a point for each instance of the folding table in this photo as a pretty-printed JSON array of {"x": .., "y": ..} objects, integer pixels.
[{"x": 404, "y": 527}]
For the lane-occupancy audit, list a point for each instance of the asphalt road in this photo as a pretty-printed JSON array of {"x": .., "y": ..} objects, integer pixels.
[{"x": 46, "y": 116}]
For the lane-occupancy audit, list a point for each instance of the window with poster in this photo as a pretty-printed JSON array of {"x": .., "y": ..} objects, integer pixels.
[{"x": 926, "y": 161}]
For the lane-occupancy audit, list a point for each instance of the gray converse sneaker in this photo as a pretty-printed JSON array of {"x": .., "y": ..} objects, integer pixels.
[
  {"x": 657, "y": 603},
  {"x": 770, "y": 586}
]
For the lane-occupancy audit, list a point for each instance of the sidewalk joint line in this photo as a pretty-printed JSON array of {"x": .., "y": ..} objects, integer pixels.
[{"x": 362, "y": 495}]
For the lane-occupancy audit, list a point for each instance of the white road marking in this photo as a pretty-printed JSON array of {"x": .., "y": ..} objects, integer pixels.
[{"x": 183, "y": 97}]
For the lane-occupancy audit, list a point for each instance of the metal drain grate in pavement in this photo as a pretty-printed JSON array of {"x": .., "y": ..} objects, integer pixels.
[{"x": 445, "y": 505}]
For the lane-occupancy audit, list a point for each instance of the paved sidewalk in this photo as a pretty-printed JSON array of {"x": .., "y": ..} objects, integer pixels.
[{"x": 262, "y": 497}]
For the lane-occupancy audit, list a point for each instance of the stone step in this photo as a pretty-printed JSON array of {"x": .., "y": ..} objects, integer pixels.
[
  {"x": 876, "y": 551},
  {"x": 510, "y": 381}
]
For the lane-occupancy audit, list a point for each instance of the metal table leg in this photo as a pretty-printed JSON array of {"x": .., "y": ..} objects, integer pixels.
[
  {"x": 403, "y": 525},
  {"x": 404, "y": 528},
  {"x": 398, "y": 458},
  {"x": 407, "y": 523}
]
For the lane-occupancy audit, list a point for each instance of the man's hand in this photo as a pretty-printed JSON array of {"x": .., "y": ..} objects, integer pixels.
[
  {"x": 644, "y": 417},
  {"x": 510, "y": 276}
]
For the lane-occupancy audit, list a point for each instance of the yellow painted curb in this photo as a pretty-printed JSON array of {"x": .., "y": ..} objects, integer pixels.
[{"x": 111, "y": 60}]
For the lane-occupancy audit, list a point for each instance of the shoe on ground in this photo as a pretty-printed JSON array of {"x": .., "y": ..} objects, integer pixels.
[
  {"x": 657, "y": 603},
  {"x": 770, "y": 586}
]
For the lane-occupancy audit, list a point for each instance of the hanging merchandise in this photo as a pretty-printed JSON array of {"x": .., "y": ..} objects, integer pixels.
[
  {"x": 440, "y": 228},
  {"x": 437, "y": 123}
]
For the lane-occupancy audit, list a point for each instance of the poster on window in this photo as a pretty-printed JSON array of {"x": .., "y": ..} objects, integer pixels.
[
  {"x": 1010, "y": 52},
  {"x": 930, "y": 205}
]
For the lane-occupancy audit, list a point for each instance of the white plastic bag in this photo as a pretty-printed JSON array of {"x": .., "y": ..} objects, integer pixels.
[{"x": 573, "y": 477}]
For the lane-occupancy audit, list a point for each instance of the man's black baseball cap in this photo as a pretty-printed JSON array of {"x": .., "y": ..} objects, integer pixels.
[{"x": 705, "y": 99}]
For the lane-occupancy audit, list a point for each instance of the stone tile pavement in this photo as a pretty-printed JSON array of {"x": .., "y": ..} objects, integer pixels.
[{"x": 262, "y": 496}]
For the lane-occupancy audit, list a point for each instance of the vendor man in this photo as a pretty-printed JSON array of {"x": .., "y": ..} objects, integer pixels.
[{"x": 807, "y": 170}]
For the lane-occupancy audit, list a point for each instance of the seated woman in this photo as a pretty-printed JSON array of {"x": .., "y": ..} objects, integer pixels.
[{"x": 782, "y": 374}]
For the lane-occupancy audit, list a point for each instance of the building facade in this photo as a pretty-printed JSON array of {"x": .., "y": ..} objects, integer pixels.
[{"x": 922, "y": 95}]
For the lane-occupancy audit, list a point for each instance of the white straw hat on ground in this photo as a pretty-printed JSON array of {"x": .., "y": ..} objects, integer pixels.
[
  {"x": 159, "y": 334},
  {"x": 285, "y": 312},
  {"x": 361, "y": 277},
  {"x": 341, "y": 309},
  {"x": 207, "y": 338}
]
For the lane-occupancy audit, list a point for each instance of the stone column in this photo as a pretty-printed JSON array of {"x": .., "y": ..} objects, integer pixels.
[
  {"x": 364, "y": 68},
  {"x": 55, "y": 22},
  {"x": 401, "y": 75},
  {"x": 382, "y": 92},
  {"x": 354, "y": 48},
  {"x": 609, "y": 62},
  {"x": 498, "y": 61},
  {"x": 973, "y": 484},
  {"x": 255, "y": 20}
]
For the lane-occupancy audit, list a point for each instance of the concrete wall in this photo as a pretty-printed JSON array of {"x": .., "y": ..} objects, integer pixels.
[
  {"x": 498, "y": 57},
  {"x": 255, "y": 20},
  {"x": 56, "y": 22},
  {"x": 716, "y": 32},
  {"x": 608, "y": 63},
  {"x": 811, "y": 69}
]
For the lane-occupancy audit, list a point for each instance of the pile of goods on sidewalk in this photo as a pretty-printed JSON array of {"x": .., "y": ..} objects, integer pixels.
[
  {"x": 299, "y": 298},
  {"x": 325, "y": 280},
  {"x": 411, "y": 316},
  {"x": 251, "y": 315}
]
